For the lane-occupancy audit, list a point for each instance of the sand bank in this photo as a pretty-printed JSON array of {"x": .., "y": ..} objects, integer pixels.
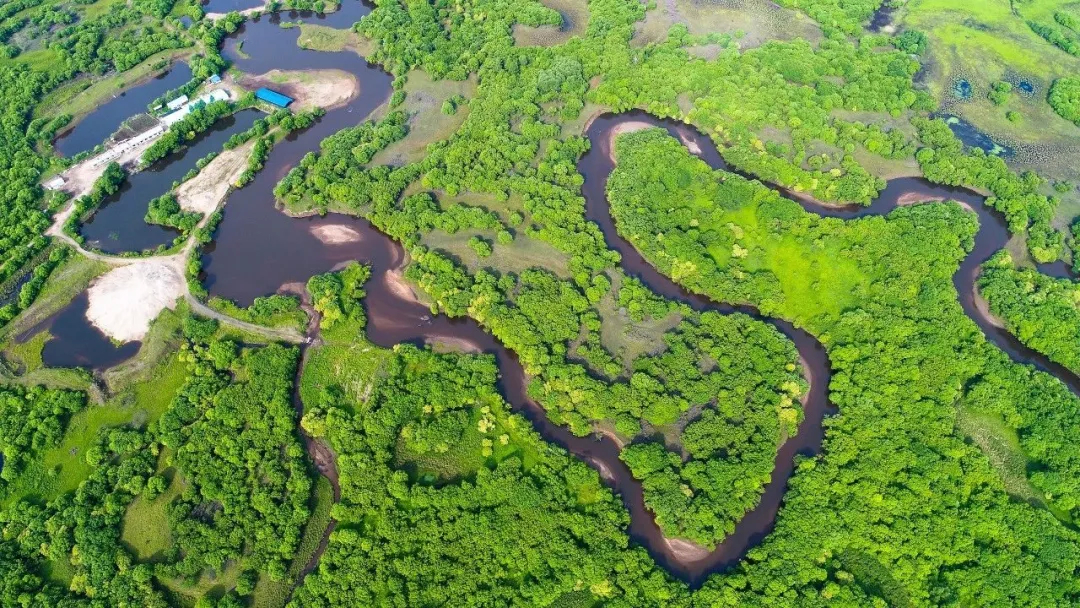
[{"x": 124, "y": 301}]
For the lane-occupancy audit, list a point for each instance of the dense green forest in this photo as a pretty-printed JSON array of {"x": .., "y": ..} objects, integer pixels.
[{"x": 259, "y": 460}]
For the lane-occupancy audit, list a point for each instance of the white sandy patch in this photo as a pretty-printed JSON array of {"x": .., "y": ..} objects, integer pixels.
[
  {"x": 602, "y": 469},
  {"x": 686, "y": 551},
  {"x": 335, "y": 234},
  {"x": 124, "y": 301},
  {"x": 690, "y": 144},
  {"x": 398, "y": 286},
  {"x": 610, "y": 434}
]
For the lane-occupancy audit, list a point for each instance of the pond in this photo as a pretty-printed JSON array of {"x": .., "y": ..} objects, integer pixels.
[{"x": 75, "y": 342}]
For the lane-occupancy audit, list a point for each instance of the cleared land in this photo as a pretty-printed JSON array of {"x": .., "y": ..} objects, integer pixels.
[
  {"x": 310, "y": 88},
  {"x": 124, "y": 301},
  {"x": 204, "y": 192},
  {"x": 750, "y": 22}
]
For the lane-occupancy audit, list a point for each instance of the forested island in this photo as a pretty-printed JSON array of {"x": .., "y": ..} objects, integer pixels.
[{"x": 539, "y": 303}]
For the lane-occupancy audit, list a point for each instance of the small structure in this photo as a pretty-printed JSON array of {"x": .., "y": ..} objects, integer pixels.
[
  {"x": 273, "y": 97},
  {"x": 176, "y": 103},
  {"x": 202, "y": 100},
  {"x": 55, "y": 183},
  {"x": 215, "y": 79}
]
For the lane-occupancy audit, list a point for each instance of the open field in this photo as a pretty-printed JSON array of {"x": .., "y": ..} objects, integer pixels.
[
  {"x": 750, "y": 22},
  {"x": 145, "y": 529},
  {"x": 522, "y": 254},
  {"x": 1002, "y": 447},
  {"x": 427, "y": 123},
  {"x": 989, "y": 41},
  {"x": 575, "y": 15},
  {"x": 317, "y": 37}
]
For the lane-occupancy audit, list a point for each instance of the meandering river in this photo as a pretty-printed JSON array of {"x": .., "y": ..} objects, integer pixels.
[{"x": 258, "y": 249}]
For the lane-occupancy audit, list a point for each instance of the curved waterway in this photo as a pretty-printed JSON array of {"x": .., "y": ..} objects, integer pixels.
[{"x": 257, "y": 249}]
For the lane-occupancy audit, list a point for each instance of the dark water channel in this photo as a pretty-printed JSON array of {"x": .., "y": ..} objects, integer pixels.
[
  {"x": 257, "y": 248},
  {"x": 119, "y": 225},
  {"x": 97, "y": 126},
  {"x": 991, "y": 237}
]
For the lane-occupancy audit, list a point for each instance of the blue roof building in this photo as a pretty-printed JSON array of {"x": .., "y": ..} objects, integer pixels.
[{"x": 273, "y": 97}]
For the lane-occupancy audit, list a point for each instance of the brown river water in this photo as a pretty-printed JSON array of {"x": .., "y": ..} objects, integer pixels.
[{"x": 258, "y": 249}]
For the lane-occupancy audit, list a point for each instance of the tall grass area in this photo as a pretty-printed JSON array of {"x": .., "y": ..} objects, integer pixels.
[
  {"x": 1002, "y": 447},
  {"x": 987, "y": 41},
  {"x": 146, "y": 524},
  {"x": 315, "y": 37}
]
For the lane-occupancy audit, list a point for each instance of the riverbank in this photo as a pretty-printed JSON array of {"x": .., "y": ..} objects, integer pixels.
[{"x": 327, "y": 89}]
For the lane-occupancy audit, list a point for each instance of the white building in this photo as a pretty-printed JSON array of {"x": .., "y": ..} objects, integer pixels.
[{"x": 176, "y": 103}]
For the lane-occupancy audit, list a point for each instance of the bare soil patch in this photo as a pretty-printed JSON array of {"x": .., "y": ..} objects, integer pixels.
[
  {"x": 984, "y": 309},
  {"x": 325, "y": 89},
  {"x": 204, "y": 192},
  {"x": 125, "y": 300},
  {"x": 396, "y": 283},
  {"x": 80, "y": 178}
]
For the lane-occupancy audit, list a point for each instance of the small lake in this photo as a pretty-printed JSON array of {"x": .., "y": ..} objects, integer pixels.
[
  {"x": 973, "y": 137},
  {"x": 261, "y": 45},
  {"x": 97, "y": 126},
  {"x": 75, "y": 342},
  {"x": 119, "y": 225}
]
